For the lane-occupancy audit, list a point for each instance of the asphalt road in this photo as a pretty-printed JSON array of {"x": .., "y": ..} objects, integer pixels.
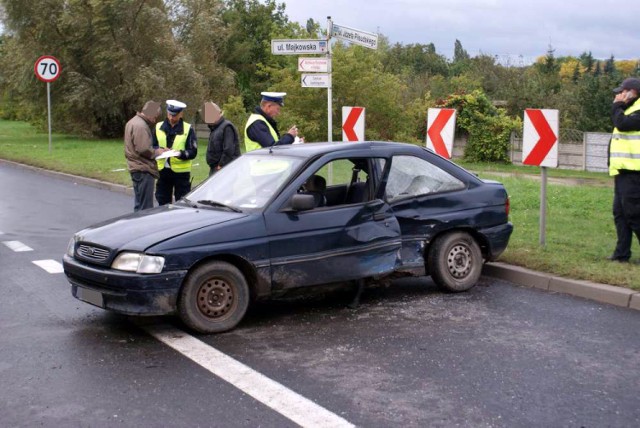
[{"x": 409, "y": 355}]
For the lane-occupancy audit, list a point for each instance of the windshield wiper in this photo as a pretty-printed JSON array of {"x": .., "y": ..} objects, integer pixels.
[{"x": 218, "y": 204}]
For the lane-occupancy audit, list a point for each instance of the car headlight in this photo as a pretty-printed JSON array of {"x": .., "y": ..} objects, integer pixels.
[
  {"x": 138, "y": 262},
  {"x": 71, "y": 247}
]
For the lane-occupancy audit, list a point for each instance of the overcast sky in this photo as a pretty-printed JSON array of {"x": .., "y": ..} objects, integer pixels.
[{"x": 511, "y": 28}]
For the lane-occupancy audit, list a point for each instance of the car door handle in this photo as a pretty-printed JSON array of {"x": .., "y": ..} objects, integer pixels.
[{"x": 379, "y": 216}]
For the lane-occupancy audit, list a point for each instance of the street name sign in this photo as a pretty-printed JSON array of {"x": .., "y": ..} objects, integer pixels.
[
  {"x": 358, "y": 37},
  {"x": 295, "y": 47},
  {"x": 313, "y": 65},
  {"x": 315, "y": 80}
]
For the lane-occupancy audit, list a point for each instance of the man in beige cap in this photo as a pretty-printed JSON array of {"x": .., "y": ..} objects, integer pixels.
[
  {"x": 224, "y": 145},
  {"x": 140, "y": 154}
]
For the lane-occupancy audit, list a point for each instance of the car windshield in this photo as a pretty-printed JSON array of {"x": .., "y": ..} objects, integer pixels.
[{"x": 249, "y": 182}]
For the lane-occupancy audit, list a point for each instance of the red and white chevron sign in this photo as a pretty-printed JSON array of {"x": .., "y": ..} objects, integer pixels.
[
  {"x": 353, "y": 123},
  {"x": 441, "y": 125},
  {"x": 540, "y": 138}
]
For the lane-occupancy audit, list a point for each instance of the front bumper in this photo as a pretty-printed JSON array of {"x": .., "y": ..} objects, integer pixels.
[{"x": 124, "y": 292}]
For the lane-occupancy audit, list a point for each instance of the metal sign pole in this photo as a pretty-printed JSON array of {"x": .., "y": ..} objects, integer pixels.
[
  {"x": 329, "y": 92},
  {"x": 49, "y": 112},
  {"x": 543, "y": 205}
]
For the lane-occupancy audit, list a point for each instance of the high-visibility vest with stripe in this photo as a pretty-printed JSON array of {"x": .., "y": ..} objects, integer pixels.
[
  {"x": 625, "y": 146},
  {"x": 250, "y": 144},
  {"x": 177, "y": 165}
]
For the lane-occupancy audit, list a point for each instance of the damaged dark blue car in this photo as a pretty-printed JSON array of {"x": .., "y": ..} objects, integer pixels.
[{"x": 292, "y": 217}]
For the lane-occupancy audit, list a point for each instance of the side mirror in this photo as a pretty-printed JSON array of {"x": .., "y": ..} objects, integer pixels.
[{"x": 302, "y": 202}]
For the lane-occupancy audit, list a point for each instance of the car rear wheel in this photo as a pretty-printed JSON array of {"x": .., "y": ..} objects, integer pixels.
[
  {"x": 455, "y": 261},
  {"x": 214, "y": 298}
]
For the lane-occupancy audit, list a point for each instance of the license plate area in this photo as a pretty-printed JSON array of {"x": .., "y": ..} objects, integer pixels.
[{"x": 90, "y": 296}]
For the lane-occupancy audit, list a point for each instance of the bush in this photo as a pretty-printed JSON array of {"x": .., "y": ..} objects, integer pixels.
[{"x": 488, "y": 128}]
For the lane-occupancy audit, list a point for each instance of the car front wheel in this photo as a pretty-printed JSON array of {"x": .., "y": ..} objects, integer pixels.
[
  {"x": 455, "y": 261},
  {"x": 214, "y": 298}
]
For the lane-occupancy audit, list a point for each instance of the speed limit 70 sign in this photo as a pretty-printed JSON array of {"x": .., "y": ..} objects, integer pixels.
[{"x": 47, "y": 68}]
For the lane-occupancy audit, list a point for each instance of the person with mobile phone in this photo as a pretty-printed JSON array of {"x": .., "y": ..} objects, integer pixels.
[{"x": 624, "y": 166}]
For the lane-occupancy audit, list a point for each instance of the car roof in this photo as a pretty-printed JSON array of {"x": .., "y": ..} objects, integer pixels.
[{"x": 320, "y": 148}]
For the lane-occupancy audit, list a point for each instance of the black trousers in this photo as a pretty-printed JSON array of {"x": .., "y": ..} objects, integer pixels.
[
  {"x": 626, "y": 212},
  {"x": 172, "y": 184}
]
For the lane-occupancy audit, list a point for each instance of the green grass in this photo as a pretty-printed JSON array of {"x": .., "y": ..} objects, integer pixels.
[
  {"x": 579, "y": 232},
  {"x": 99, "y": 159}
]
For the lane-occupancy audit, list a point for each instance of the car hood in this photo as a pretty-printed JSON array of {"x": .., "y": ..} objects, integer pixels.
[{"x": 139, "y": 231}]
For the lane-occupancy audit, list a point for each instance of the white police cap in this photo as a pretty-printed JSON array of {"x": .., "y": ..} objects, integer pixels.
[
  {"x": 174, "y": 106},
  {"x": 275, "y": 97}
]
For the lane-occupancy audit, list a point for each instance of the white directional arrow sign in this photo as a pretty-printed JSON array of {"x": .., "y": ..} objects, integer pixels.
[
  {"x": 310, "y": 64},
  {"x": 317, "y": 80}
]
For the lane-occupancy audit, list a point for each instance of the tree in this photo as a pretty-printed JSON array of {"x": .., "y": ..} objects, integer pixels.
[
  {"x": 115, "y": 54},
  {"x": 610, "y": 66},
  {"x": 460, "y": 59},
  {"x": 252, "y": 24},
  {"x": 459, "y": 54},
  {"x": 587, "y": 61}
]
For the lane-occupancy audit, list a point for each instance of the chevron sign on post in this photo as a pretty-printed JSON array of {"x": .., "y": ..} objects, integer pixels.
[
  {"x": 441, "y": 125},
  {"x": 540, "y": 138},
  {"x": 540, "y": 148},
  {"x": 352, "y": 123}
]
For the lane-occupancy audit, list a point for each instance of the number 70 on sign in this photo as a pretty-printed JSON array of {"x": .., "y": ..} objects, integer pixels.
[{"x": 47, "y": 68}]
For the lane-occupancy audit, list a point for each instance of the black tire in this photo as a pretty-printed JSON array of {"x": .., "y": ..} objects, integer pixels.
[
  {"x": 455, "y": 261},
  {"x": 213, "y": 298}
]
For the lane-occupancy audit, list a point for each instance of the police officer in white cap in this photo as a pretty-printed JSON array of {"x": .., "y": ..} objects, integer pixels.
[
  {"x": 261, "y": 129},
  {"x": 175, "y": 172}
]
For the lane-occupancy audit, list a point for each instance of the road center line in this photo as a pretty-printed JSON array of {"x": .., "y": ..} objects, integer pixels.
[
  {"x": 17, "y": 246},
  {"x": 288, "y": 403},
  {"x": 50, "y": 266}
]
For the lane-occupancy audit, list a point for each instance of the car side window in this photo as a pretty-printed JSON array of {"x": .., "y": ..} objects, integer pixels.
[
  {"x": 412, "y": 176},
  {"x": 348, "y": 181}
]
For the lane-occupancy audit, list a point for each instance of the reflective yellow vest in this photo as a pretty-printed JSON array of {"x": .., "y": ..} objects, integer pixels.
[
  {"x": 249, "y": 144},
  {"x": 625, "y": 146},
  {"x": 177, "y": 165}
]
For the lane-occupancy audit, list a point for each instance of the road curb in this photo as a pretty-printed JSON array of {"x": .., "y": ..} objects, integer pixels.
[{"x": 602, "y": 293}]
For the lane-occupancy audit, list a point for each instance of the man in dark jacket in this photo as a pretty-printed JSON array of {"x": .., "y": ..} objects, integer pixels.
[
  {"x": 140, "y": 154},
  {"x": 624, "y": 166},
  {"x": 224, "y": 145}
]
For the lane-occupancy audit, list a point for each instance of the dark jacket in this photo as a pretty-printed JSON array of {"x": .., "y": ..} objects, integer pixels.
[{"x": 224, "y": 144}]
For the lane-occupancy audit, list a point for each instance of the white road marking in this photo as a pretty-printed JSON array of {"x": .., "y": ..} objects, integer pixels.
[
  {"x": 50, "y": 266},
  {"x": 17, "y": 246},
  {"x": 288, "y": 403}
]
